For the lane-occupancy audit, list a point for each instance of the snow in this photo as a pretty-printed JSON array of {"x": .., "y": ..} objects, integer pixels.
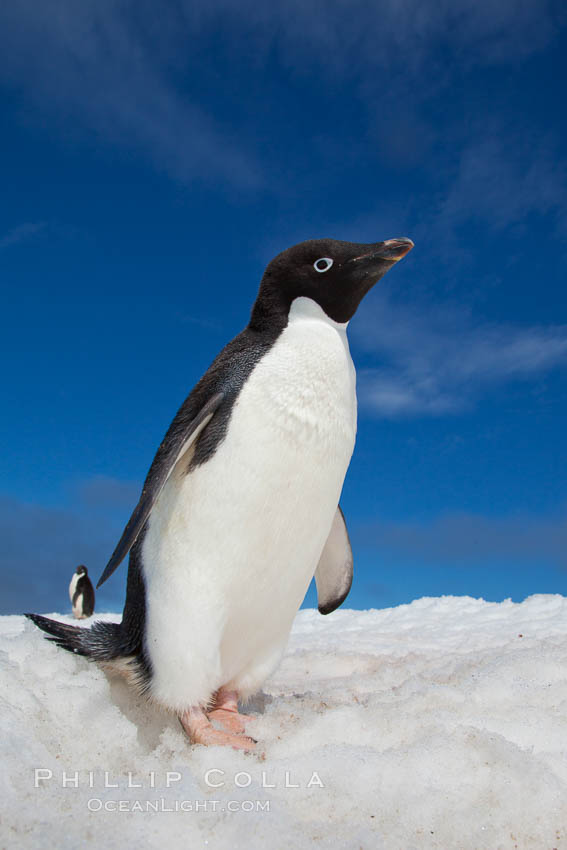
[{"x": 440, "y": 724}]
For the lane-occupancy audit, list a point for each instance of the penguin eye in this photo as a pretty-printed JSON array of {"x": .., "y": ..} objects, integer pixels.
[{"x": 323, "y": 265}]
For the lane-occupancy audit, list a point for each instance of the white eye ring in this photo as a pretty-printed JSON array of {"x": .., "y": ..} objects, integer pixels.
[{"x": 323, "y": 260}]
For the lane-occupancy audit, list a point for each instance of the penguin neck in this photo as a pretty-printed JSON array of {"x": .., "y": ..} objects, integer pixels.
[
  {"x": 273, "y": 310},
  {"x": 270, "y": 313}
]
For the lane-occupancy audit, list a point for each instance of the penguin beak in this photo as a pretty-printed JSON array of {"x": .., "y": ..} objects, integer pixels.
[
  {"x": 368, "y": 267},
  {"x": 391, "y": 251}
]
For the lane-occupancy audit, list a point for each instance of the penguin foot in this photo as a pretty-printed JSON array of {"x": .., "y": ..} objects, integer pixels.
[
  {"x": 230, "y": 720},
  {"x": 225, "y": 712},
  {"x": 201, "y": 731},
  {"x": 225, "y": 698}
]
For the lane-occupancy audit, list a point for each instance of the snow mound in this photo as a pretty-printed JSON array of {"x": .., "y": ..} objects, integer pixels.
[{"x": 440, "y": 724}]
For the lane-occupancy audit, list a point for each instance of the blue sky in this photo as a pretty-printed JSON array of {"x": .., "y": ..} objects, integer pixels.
[{"x": 154, "y": 163}]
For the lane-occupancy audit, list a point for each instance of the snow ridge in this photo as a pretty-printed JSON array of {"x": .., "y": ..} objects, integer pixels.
[{"x": 439, "y": 724}]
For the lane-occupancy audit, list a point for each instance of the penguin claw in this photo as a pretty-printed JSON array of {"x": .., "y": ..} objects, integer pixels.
[
  {"x": 215, "y": 738},
  {"x": 201, "y": 731}
]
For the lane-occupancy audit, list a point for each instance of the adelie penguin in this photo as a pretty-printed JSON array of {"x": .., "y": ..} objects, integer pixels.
[
  {"x": 81, "y": 594},
  {"x": 240, "y": 506}
]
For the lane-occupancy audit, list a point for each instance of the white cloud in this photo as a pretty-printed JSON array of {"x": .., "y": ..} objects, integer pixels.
[
  {"x": 105, "y": 66},
  {"x": 341, "y": 34},
  {"x": 21, "y": 233},
  {"x": 436, "y": 361},
  {"x": 502, "y": 177},
  {"x": 123, "y": 70}
]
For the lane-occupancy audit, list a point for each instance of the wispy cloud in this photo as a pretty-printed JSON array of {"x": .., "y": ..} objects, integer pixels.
[
  {"x": 436, "y": 361},
  {"x": 21, "y": 233},
  {"x": 463, "y": 539},
  {"x": 107, "y": 66},
  {"x": 199, "y": 321},
  {"x": 341, "y": 33},
  {"x": 126, "y": 72},
  {"x": 503, "y": 177}
]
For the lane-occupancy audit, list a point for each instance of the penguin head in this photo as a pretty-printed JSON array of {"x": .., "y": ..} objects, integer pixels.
[
  {"x": 81, "y": 570},
  {"x": 336, "y": 275}
]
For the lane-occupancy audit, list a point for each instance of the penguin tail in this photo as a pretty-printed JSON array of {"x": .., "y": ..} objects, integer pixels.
[{"x": 100, "y": 642}]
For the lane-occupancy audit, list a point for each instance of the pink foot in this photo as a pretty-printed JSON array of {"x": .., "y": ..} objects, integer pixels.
[
  {"x": 226, "y": 699},
  {"x": 224, "y": 711},
  {"x": 229, "y": 720},
  {"x": 200, "y": 731}
]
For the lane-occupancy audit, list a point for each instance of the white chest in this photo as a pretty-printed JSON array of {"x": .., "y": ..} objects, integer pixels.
[
  {"x": 270, "y": 491},
  {"x": 306, "y": 384},
  {"x": 230, "y": 548}
]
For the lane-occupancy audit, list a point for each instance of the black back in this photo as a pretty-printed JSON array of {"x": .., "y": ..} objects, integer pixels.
[{"x": 85, "y": 587}]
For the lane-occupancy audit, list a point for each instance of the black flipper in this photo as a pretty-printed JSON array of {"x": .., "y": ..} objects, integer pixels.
[
  {"x": 333, "y": 575},
  {"x": 155, "y": 483}
]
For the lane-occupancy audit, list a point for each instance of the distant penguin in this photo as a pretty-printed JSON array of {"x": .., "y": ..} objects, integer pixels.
[
  {"x": 240, "y": 506},
  {"x": 81, "y": 594}
]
